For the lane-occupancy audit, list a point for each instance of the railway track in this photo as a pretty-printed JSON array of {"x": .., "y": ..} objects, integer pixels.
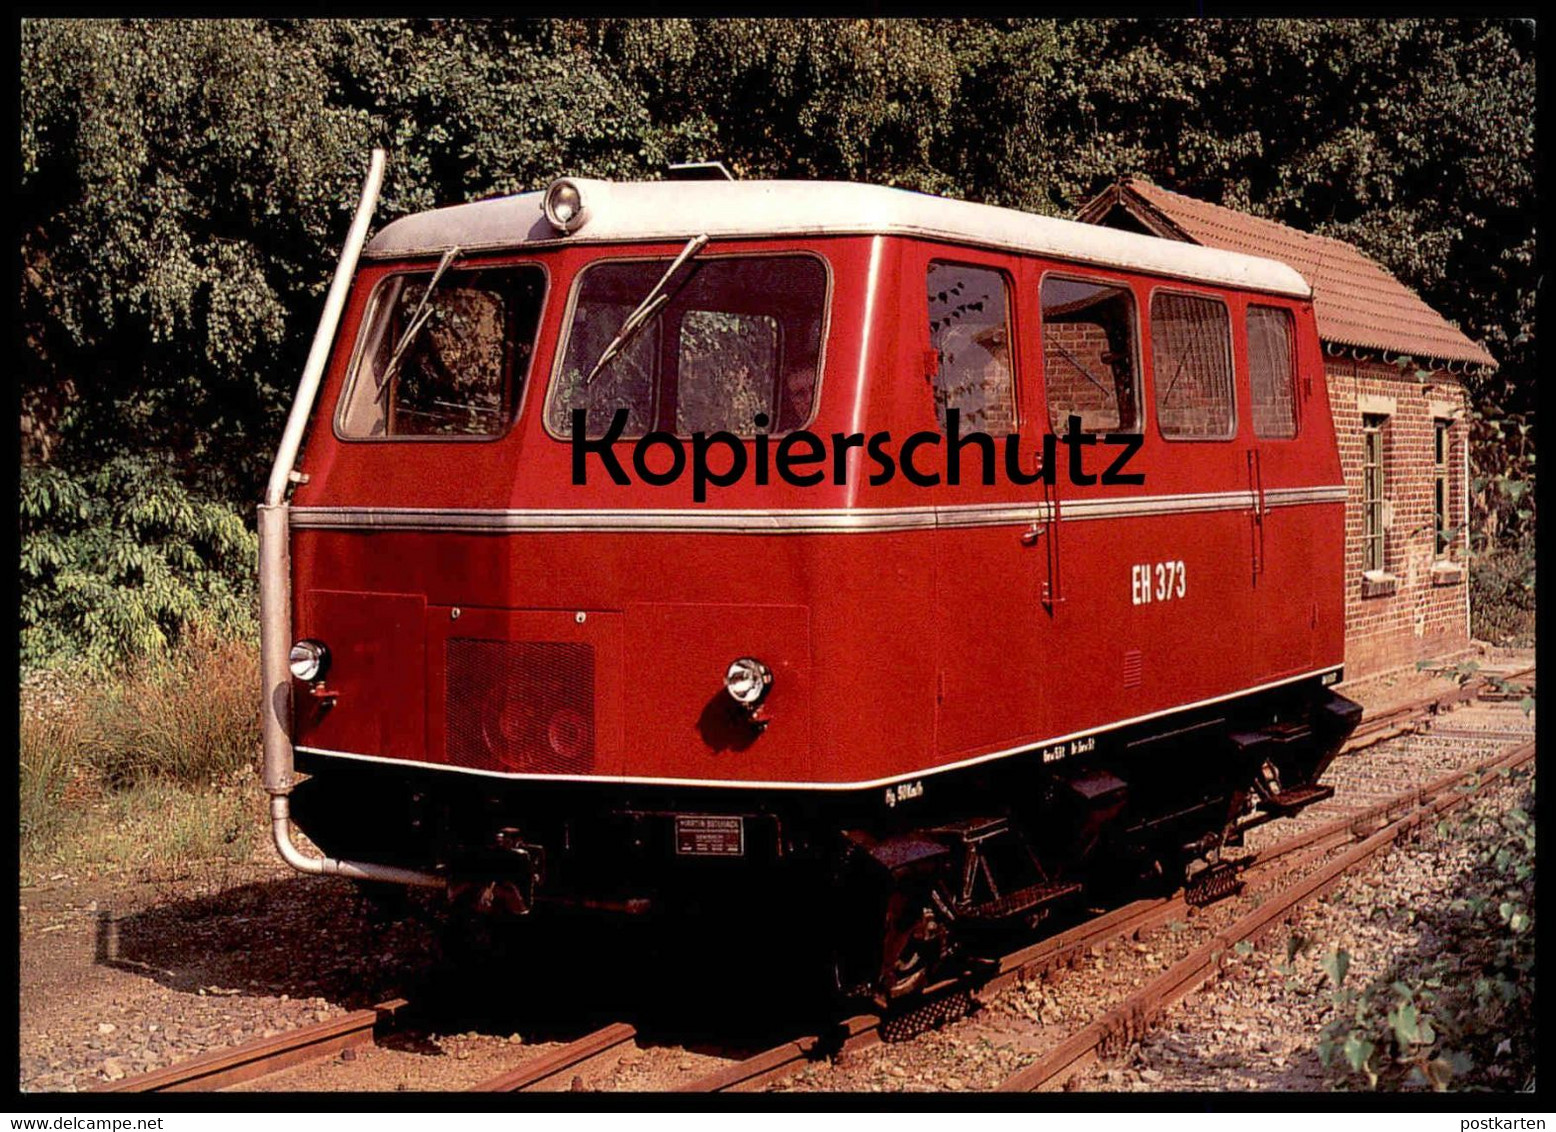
[
  {"x": 1290, "y": 863},
  {"x": 1286, "y": 874},
  {"x": 548, "y": 1067},
  {"x": 1131, "y": 1017}
]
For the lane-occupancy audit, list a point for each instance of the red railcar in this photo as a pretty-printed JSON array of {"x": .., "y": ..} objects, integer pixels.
[{"x": 926, "y": 705}]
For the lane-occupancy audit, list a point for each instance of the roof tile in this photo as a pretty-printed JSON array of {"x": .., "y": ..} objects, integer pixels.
[{"x": 1357, "y": 302}]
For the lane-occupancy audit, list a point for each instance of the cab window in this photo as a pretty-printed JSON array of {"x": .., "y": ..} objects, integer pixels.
[
  {"x": 734, "y": 336},
  {"x": 443, "y": 361}
]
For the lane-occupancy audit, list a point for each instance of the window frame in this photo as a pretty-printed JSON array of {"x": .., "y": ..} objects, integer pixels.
[
  {"x": 1012, "y": 312},
  {"x": 564, "y": 329},
  {"x": 1296, "y": 399},
  {"x": 1136, "y": 338},
  {"x": 1442, "y": 489},
  {"x": 1235, "y": 428},
  {"x": 1373, "y": 529},
  {"x": 370, "y": 312}
]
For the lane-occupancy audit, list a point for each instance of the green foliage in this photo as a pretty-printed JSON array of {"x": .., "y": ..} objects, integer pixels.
[
  {"x": 1503, "y": 477},
  {"x": 1464, "y": 671},
  {"x": 182, "y": 184},
  {"x": 1502, "y": 593},
  {"x": 50, "y": 758},
  {"x": 191, "y": 719},
  {"x": 471, "y": 109},
  {"x": 1462, "y": 1016},
  {"x": 842, "y": 99},
  {"x": 155, "y": 829},
  {"x": 125, "y": 563}
]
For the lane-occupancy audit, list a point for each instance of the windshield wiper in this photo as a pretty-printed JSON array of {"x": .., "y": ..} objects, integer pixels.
[
  {"x": 419, "y": 319},
  {"x": 651, "y": 305}
]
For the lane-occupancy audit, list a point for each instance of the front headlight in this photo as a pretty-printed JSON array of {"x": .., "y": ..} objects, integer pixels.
[
  {"x": 308, "y": 660},
  {"x": 563, "y": 205},
  {"x": 747, "y": 681}
]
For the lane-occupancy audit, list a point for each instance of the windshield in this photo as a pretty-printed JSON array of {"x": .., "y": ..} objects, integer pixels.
[
  {"x": 454, "y": 367},
  {"x": 740, "y": 336}
]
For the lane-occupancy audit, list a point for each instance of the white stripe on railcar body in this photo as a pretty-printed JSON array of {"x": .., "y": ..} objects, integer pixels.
[{"x": 838, "y": 520}]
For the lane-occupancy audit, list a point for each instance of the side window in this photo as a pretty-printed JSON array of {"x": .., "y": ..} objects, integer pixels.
[
  {"x": 1089, "y": 355},
  {"x": 969, "y": 327},
  {"x": 1191, "y": 360},
  {"x": 1442, "y": 524},
  {"x": 1272, "y": 373}
]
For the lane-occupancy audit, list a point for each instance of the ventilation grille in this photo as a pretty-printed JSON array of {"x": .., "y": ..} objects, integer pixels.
[
  {"x": 1133, "y": 667},
  {"x": 521, "y": 706}
]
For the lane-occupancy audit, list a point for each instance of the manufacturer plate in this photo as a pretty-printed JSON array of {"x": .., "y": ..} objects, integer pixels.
[{"x": 698, "y": 835}]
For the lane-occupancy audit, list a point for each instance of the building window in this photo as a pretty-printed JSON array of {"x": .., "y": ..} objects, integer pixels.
[
  {"x": 1089, "y": 355},
  {"x": 969, "y": 328},
  {"x": 1191, "y": 363},
  {"x": 1372, "y": 492},
  {"x": 1272, "y": 373},
  {"x": 1441, "y": 523}
]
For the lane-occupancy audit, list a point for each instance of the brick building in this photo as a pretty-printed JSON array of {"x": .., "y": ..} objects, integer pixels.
[{"x": 1393, "y": 368}]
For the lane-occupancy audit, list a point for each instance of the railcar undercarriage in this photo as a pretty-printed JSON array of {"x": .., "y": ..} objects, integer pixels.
[{"x": 905, "y": 893}]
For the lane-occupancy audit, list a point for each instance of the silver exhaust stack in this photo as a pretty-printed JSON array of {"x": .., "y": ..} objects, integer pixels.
[{"x": 275, "y": 574}]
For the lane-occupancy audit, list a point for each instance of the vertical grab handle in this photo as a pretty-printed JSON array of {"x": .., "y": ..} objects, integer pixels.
[
  {"x": 1256, "y": 489},
  {"x": 1052, "y": 594}
]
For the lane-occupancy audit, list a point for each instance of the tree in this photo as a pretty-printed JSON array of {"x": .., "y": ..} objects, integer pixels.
[
  {"x": 185, "y": 186},
  {"x": 182, "y": 183}
]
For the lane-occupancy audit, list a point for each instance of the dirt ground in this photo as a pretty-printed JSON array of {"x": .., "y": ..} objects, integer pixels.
[{"x": 121, "y": 975}]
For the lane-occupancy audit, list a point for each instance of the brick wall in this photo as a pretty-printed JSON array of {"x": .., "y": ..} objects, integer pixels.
[
  {"x": 1421, "y": 611},
  {"x": 1069, "y": 348}
]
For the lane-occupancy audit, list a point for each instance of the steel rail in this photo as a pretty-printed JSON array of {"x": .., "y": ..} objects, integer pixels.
[
  {"x": 224, "y": 1067},
  {"x": 1403, "y": 719},
  {"x": 540, "y": 1069}
]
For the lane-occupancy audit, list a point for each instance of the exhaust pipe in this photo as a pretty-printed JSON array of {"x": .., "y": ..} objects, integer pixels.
[
  {"x": 275, "y": 575},
  {"x": 324, "y": 336}
]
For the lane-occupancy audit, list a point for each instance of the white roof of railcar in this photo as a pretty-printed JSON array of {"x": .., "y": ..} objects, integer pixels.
[{"x": 638, "y": 211}]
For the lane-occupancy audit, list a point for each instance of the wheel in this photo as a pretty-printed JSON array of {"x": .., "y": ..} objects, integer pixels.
[{"x": 915, "y": 951}]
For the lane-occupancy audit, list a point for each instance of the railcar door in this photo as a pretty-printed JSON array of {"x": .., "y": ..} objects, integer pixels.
[
  {"x": 990, "y": 686},
  {"x": 1112, "y": 654},
  {"x": 1286, "y": 519}
]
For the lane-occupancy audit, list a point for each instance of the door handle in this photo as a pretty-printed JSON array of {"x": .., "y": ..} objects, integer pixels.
[{"x": 1030, "y": 536}]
